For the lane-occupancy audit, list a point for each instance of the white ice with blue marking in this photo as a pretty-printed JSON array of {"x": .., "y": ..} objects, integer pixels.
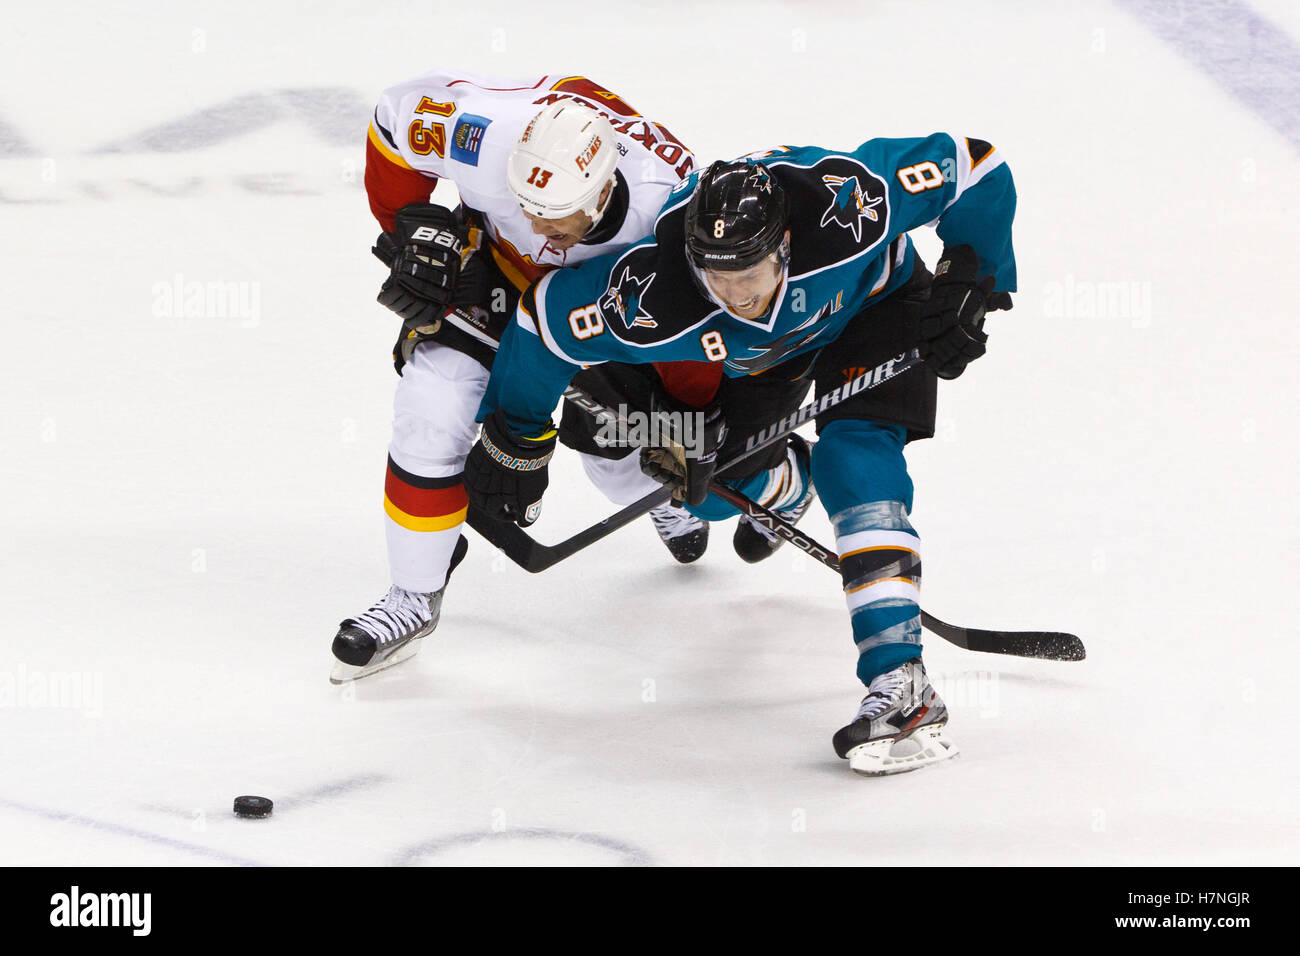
[{"x": 196, "y": 398}]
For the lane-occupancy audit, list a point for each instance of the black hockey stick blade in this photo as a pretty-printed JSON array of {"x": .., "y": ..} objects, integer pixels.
[
  {"x": 533, "y": 556},
  {"x": 1042, "y": 645}
]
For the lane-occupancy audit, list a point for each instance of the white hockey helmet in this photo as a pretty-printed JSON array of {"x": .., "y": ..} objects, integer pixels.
[{"x": 563, "y": 161}]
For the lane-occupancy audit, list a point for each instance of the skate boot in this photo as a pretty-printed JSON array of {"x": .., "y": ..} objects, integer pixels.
[
  {"x": 899, "y": 726},
  {"x": 752, "y": 541},
  {"x": 390, "y": 631},
  {"x": 685, "y": 535}
]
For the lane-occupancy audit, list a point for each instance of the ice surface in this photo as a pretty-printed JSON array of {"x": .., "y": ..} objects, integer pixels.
[{"x": 190, "y": 502}]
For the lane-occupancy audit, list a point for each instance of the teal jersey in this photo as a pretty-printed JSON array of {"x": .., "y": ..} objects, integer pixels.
[{"x": 849, "y": 216}]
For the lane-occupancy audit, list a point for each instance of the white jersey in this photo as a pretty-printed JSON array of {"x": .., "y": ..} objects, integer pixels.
[{"x": 463, "y": 127}]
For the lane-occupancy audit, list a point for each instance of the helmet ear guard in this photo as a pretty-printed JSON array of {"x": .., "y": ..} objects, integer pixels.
[{"x": 562, "y": 163}]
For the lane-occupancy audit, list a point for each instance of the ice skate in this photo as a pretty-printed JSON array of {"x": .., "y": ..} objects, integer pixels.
[
  {"x": 391, "y": 630},
  {"x": 752, "y": 541},
  {"x": 386, "y": 634},
  {"x": 899, "y": 726},
  {"x": 685, "y": 535}
]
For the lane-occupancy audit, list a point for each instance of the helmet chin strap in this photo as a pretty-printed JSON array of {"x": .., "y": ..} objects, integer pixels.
[{"x": 597, "y": 210}]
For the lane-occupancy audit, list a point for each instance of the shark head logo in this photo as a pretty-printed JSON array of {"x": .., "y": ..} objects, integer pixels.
[
  {"x": 849, "y": 204},
  {"x": 759, "y": 178},
  {"x": 629, "y": 289}
]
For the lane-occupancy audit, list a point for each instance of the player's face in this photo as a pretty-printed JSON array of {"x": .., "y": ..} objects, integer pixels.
[
  {"x": 567, "y": 232},
  {"x": 561, "y": 233},
  {"x": 747, "y": 292}
]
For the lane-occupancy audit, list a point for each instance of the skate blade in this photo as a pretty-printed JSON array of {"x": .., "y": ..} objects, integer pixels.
[
  {"x": 879, "y": 758},
  {"x": 346, "y": 673}
]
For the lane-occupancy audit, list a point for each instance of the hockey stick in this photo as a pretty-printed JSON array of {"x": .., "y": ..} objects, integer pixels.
[
  {"x": 1043, "y": 645},
  {"x": 533, "y": 556}
]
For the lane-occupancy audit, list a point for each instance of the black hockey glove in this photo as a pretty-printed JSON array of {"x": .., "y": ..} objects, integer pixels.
[
  {"x": 951, "y": 326},
  {"x": 425, "y": 252},
  {"x": 687, "y": 453},
  {"x": 505, "y": 475}
]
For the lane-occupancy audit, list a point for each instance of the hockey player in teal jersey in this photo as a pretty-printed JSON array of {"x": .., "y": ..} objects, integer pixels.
[{"x": 789, "y": 269}]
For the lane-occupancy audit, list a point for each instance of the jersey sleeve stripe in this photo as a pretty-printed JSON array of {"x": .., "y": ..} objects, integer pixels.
[
  {"x": 500, "y": 89},
  {"x": 508, "y": 268},
  {"x": 389, "y": 186},
  {"x": 385, "y": 150},
  {"x": 975, "y": 160},
  {"x": 528, "y": 306},
  {"x": 978, "y": 150},
  {"x": 384, "y": 131}
]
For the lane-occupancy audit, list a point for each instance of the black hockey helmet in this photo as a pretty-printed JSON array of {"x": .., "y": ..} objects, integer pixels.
[{"x": 736, "y": 217}]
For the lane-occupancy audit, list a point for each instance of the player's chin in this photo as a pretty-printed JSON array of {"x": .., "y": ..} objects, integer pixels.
[{"x": 564, "y": 244}]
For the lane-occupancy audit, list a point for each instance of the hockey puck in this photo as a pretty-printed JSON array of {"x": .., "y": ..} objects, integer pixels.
[{"x": 254, "y": 807}]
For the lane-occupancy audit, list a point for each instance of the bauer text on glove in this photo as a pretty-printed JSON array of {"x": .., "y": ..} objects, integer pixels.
[{"x": 429, "y": 240}]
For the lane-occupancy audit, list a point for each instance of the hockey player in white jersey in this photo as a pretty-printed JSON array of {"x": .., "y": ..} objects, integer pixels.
[{"x": 551, "y": 171}]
